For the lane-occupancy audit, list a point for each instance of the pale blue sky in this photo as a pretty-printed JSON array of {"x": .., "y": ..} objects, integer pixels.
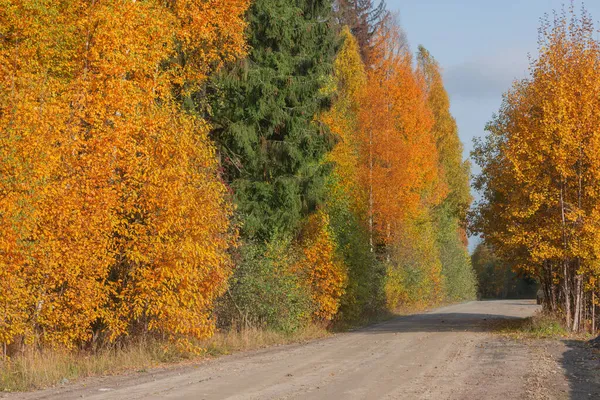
[{"x": 482, "y": 47}]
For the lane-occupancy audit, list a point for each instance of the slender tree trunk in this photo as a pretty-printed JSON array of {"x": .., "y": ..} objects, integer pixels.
[
  {"x": 594, "y": 312},
  {"x": 578, "y": 304},
  {"x": 371, "y": 190},
  {"x": 546, "y": 281},
  {"x": 567, "y": 294},
  {"x": 552, "y": 288},
  {"x": 565, "y": 262},
  {"x": 584, "y": 309}
]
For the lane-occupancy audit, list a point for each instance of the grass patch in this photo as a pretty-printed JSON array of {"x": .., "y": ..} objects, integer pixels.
[
  {"x": 41, "y": 369},
  {"x": 251, "y": 339},
  {"x": 542, "y": 325}
]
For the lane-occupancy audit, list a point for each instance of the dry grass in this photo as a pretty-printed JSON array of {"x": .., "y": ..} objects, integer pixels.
[
  {"x": 252, "y": 339},
  {"x": 542, "y": 325},
  {"x": 40, "y": 369}
]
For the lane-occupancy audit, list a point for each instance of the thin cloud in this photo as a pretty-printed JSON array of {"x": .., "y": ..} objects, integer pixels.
[{"x": 485, "y": 77}]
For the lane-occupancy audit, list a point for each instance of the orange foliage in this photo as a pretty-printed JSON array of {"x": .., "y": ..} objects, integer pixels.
[
  {"x": 112, "y": 212},
  {"x": 209, "y": 33},
  {"x": 399, "y": 154},
  {"x": 540, "y": 167},
  {"x": 325, "y": 274}
]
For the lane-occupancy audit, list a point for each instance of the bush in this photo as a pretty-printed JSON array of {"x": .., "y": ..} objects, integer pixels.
[
  {"x": 265, "y": 291},
  {"x": 364, "y": 297},
  {"x": 321, "y": 267},
  {"x": 460, "y": 282},
  {"x": 414, "y": 269}
]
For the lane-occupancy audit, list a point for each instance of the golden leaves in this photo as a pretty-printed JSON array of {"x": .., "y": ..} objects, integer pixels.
[
  {"x": 325, "y": 273},
  {"x": 540, "y": 166},
  {"x": 398, "y": 152},
  {"x": 114, "y": 213}
]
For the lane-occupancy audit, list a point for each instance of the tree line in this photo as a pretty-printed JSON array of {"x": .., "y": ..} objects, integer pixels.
[
  {"x": 172, "y": 167},
  {"x": 539, "y": 180}
]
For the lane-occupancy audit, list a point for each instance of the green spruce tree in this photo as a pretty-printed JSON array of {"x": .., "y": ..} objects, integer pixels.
[{"x": 263, "y": 112}]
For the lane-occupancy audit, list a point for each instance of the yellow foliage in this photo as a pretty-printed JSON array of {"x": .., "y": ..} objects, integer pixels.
[
  {"x": 324, "y": 272},
  {"x": 414, "y": 274},
  {"x": 540, "y": 166},
  {"x": 350, "y": 78},
  {"x": 113, "y": 216}
]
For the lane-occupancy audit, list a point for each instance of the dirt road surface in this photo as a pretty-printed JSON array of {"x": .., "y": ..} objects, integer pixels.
[{"x": 448, "y": 353}]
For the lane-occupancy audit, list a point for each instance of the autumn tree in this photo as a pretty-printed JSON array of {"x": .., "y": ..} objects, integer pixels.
[
  {"x": 398, "y": 150},
  {"x": 350, "y": 79},
  {"x": 116, "y": 219},
  {"x": 453, "y": 169},
  {"x": 450, "y": 215},
  {"x": 346, "y": 200},
  {"x": 399, "y": 168},
  {"x": 540, "y": 166},
  {"x": 56, "y": 196}
]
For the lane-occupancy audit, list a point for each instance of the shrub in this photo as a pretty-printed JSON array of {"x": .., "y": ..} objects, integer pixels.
[{"x": 265, "y": 290}]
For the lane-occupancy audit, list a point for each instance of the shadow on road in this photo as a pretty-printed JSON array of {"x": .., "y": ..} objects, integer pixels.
[
  {"x": 582, "y": 367},
  {"x": 448, "y": 322},
  {"x": 515, "y": 302}
]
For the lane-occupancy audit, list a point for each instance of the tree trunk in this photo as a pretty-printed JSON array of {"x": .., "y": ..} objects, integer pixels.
[
  {"x": 371, "y": 190},
  {"x": 567, "y": 294},
  {"x": 553, "y": 289},
  {"x": 546, "y": 280},
  {"x": 594, "y": 312},
  {"x": 584, "y": 309},
  {"x": 565, "y": 261},
  {"x": 578, "y": 304}
]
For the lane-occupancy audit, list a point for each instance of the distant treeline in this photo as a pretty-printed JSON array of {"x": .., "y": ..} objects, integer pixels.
[{"x": 496, "y": 278}]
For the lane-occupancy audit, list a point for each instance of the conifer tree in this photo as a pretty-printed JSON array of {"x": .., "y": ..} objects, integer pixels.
[
  {"x": 263, "y": 114},
  {"x": 364, "y": 18}
]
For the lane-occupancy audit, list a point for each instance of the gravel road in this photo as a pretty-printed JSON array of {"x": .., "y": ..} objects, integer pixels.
[{"x": 447, "y": 353}]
